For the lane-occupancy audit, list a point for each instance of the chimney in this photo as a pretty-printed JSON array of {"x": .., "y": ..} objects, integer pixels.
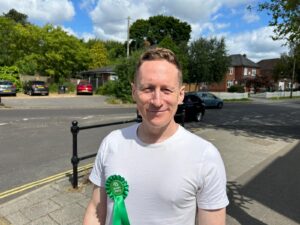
[{"x": 244, "y": 55}]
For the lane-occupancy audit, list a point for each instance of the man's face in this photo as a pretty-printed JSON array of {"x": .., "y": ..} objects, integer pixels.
[{"x": 157, "y": 93}]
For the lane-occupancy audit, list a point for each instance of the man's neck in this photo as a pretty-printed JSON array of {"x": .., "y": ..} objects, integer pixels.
[{"x": 153, "y": 135}]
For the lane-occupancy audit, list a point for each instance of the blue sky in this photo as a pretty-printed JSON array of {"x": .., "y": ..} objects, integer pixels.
[{"x": 246, "y": 32}]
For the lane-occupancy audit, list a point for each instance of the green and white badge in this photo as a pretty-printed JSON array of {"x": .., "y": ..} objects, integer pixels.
[{"x": 117, "y": 189}]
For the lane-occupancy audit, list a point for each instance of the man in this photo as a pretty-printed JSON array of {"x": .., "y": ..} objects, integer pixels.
[{"x": 174, "y": 176}]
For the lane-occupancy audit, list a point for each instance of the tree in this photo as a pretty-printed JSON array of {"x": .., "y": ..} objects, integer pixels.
[
  {"x": 208, "y": 60},
  {"x": 285, "y": 18},
  {"x": 16, "y": 16},
  {"x": 10, "y": 73},
  {"x": 98, "y": 55},
  {"x": 284, "y": 68},
  {"x": 116, "y": 50},
  {"x": 180, "y": 51},
  {"x": 7, "y": 33},
  {"x": 61, "y": 54},
  {"x": 156, "y": 28}
]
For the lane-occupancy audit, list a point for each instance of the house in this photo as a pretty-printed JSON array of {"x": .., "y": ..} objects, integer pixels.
[
  {"x": 267, "y": 67},
  {"x": 240, "y": 70},
  {"x": 99, "y": 76}
]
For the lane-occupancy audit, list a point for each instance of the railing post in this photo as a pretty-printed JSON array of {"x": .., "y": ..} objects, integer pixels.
[{"x": 74, "y": 159}]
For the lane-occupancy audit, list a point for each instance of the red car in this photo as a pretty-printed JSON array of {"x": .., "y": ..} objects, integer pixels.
[{"x": 84, "y": 87}]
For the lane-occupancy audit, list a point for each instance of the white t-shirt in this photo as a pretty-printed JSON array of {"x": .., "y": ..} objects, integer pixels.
[{"x": 167, "y": 181}]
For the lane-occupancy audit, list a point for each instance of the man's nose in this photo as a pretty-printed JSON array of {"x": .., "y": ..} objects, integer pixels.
[{"x": 156, "y": 98}]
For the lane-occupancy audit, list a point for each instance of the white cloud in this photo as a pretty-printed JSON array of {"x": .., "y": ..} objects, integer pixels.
[
  {"x": 256, "y": 44},
  {"x": 110, "y": 17},
  {"x": 250, "y": 16},
  {"x": 53, "y": 11}
]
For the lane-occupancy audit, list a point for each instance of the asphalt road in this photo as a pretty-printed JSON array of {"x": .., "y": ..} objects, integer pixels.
[{"x": 36, "y": 142}]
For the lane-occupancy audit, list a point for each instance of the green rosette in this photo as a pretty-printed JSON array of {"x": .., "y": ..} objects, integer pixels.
[{"x": 117, "y": 189}]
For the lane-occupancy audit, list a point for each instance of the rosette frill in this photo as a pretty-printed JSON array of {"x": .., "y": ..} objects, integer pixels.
[{"x": 117, "y": 189}]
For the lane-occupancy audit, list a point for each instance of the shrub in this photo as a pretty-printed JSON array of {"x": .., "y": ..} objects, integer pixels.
[{"x": 236, "y": 88}]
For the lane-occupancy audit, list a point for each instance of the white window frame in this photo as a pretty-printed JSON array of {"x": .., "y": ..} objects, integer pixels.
[{"x": 245, "y": 71}]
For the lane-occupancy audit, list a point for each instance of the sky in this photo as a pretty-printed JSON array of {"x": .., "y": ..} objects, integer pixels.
[{"x": 245, "y": 31}]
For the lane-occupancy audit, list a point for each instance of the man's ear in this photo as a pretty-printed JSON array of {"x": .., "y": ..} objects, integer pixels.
[{"x": 181, "y": 94}]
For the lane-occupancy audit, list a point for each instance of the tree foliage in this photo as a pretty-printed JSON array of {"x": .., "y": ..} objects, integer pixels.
[
  {"x": 10, "y": 73},
  {"x": 181, "y": 52},
  {"x": 16, "y": 16},
  {"x": 208, "y": 60},
  {"x": 285, "y": 18},
  {"x": 98, "y": 55},
  {"x": 284, "y": 68},
  {"x": 156, "y": 28}
]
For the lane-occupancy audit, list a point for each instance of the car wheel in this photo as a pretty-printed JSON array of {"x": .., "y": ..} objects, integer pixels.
[
  {"x": 220, "y": 105},
  {"x": 199, "y": 116},
  {"x": 29, "y": 92}
]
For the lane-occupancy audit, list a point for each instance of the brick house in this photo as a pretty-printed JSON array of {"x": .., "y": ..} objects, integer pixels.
[
  {"x": 241, "y": 68},
  {"x": 266, "y": 69}
]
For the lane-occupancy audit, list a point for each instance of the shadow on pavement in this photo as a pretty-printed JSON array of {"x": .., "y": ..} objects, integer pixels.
[{"x": 276, "y": 187}]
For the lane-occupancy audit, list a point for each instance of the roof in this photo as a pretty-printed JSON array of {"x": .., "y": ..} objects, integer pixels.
[
  {"x": 107, "y": 69},
  {"x": 242, "y": 60},
  {"x": 268, "y": 64}
]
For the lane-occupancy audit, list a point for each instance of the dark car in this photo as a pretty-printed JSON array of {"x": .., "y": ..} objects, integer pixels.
[
  {"x": 7, "y": 88},
  {"x": 84, "y": 87},
  {"x": 35, "y": 87},
  {"x": 210, "y": 100},
  {"x": 191, "y": 109}
]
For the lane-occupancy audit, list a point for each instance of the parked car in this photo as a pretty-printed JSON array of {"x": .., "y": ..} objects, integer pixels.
[
  {"x": 7, "y": 88},
  {"x": 193, "y": 106},
  {"x": 84, "y": 87},
  {"x": 34, "y": 87},
  {"x": 210, "y": 100}
]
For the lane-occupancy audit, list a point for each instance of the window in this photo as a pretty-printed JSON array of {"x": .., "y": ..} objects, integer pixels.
[
  {"x": 254, "y": 72},
  {"x": 231, "y": 70},
  {"x": 245, "y": 71},
  {"x": 229, "y": 83}
]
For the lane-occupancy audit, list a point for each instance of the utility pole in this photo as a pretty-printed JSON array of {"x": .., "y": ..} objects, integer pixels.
[
  {"x": 128, "y": 24},
  {"x": 292, "y": 46},
  {"x": 293, "y": 77}
]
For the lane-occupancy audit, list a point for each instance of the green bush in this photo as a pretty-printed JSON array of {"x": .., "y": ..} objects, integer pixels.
[
  {"x": 118, "y": 89},
  {"x": 11, "y": 74},
  {"x": 236, "y": 88},
  {"x": 70, "y": 87}
]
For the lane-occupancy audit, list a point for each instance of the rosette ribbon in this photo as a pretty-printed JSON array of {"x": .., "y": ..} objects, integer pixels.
[{"x": 117, "y": 189}]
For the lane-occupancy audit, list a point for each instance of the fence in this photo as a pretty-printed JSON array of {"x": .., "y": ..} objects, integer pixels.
[
  {"x": 75, "y": 130},
  {"x": 75, "y": 159}
]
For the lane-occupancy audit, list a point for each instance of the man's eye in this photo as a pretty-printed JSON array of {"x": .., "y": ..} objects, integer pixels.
[
  {"x": 147, "y": 89},
  {"x": 167, "y": 91}
]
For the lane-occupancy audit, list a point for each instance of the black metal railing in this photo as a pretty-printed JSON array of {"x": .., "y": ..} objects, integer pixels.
[
  {"x": 75, "y": 159},
  {"x": 75, "y": 130}
]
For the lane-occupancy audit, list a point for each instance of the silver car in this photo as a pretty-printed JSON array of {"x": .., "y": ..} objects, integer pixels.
[{"x": 7, "y": 88}]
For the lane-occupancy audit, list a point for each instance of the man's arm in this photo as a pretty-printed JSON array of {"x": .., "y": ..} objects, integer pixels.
[
  {"x": 211, "y": 217},
  {"x": 96, "y": 209}
]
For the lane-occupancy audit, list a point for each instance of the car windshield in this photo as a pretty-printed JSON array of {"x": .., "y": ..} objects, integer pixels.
[
  {"x": 38, "y": 82},
  {"x": 5, "y": 82}
]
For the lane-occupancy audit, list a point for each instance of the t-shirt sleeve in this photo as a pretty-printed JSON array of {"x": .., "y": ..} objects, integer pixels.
[
  {"x": 212, "y": 193},
  {"x": 97, "y": 175}
]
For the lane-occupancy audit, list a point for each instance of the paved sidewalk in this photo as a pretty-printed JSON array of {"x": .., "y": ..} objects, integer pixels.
[{"x": 263, "y": 185}]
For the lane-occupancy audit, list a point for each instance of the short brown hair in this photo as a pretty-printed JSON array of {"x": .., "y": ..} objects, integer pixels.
[{"x": 159, "y": 54}]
